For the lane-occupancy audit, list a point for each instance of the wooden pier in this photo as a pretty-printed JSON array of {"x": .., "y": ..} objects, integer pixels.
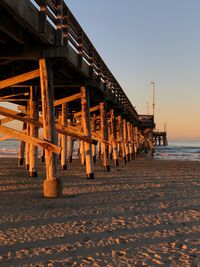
[
  {"x": 64, "y": 92},
  {"x": 160, "y": 138}
]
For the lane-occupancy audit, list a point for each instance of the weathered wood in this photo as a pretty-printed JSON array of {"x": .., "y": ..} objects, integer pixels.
[
  {"x": 77, "y": 114},
  {"x": 67, "y": 99},
  {"x": 25, "y": 137},
  {"x": 82, "y": 153},
  {"x": 99, "y": 150},
  {"x": 126, "y": 145},
  {"x": 121, "y": 136},
  {"x": 52, "y": 185},
  {"x": 20, "y": 78},
  {"x": 130, "y": 139},
  {"x": 42, "y": 16},
  {"x": 114, "y": 138},
  {"x": 70, "y": 151},
  {"x": 64, "y": 138},
  {"x": 93, "y": 127},
  {"x": 22, "y": 149},
  {"x": 87, "y": 131},
  {"x": 59, "y": 22},
  {"x": 104, "y": 134},
  {"x": 135, "y": 142},
  {"x": 27, "y": 148},
  {"x": 34, "y": 114},
  {"x": 5, "y": 137},
  {"x": 59, "y": 128}
]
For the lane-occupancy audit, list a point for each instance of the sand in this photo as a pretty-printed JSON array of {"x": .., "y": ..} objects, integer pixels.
[{"x": 145, "y": 213}]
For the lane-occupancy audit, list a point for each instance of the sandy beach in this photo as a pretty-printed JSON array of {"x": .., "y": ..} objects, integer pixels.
[{"x": 145, "y": 213}]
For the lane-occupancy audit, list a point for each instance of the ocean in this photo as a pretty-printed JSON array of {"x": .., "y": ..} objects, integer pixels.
[
  {"x": 179, "y": 150},
  {"x": 176, "y": 150}
]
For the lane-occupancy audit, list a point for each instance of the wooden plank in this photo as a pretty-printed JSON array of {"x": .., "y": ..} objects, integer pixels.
[
  {"x": 5, "y": 137},
  {"x": 77, "y": 114},
  {"x": 87, "y": 131},
  {"x": 71, "y": 131},
  {"x": 18, "y": 116},
  {"x": 31, "y": 140},
  {"x": 20, "y": 78},
  {"x": 67, "y": 99}
]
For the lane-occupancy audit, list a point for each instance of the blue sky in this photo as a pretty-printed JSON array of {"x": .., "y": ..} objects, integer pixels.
[{"x": 150, "y": 40}]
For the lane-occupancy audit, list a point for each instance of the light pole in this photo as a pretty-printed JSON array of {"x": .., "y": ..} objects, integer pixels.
[
  {"x": 147, "y": 108},
  {"x": 153, "y": 104}
]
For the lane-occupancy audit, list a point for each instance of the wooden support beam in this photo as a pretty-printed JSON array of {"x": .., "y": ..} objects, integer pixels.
[
  {"x": 126, "y": 146},
  {"x": 135, "y": 141},
  {"x": 22, "y": 149},
  {"x": 114, "y": 138},
  {"x": 5, "y": 137},
  {"x": 87, "y": 131},
  {"x": 42, "y": 16},
  {"x": 36, "y": 141},
  {"x": 130, "y": 139},
  {"x": 93, "y": 128},
  {"x": 121, "y": 137},
  {"x": 104, "y": 134},
  {"x": 59, "y": 22},
  {"x": 71, "y": 131},
  {"x": 64, "y": 116},
  {"x": 52, "y": 185},
  {"x": 20, "y": 78},
  {"x": 34, "y": 114},
  {"x": 67, "y": 99},
  {"x": 77, "y": 114}
]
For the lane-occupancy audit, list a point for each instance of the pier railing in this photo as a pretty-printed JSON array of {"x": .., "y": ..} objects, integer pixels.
[{"x": 68, "y": 32}]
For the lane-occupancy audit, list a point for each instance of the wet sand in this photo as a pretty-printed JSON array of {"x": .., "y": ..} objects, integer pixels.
[{"x": 145, "y": 213}]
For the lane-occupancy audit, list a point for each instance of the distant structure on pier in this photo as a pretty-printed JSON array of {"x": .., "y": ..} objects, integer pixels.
[{"x": 160, "y": 138}]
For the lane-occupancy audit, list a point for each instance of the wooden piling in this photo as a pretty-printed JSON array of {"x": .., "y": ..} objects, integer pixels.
[
  {"x": 126, "y": 146},
  {"x": 87, "y": 131},
  {"x": 22, "y": 148},
  {"x": 52, "y": 185},
  {"x": 135, "y": 142},
  {"x": 64, "y": 138},
  {"x": 104, "y": 134},
  {"x": 34, "y": 114},
  {"x": 121, "y": 136},
  {"x": 114, "y": 137},
  {"x": 93, "y": 124}
]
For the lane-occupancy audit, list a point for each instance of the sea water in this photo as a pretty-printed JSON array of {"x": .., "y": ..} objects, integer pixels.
[
  {"x": 10, "y": 149},
  {"x": 176, "y": 150},
  {"x": 179, "y": 150}
]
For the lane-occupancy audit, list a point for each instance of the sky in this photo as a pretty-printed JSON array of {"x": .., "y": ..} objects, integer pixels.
[{"x": 150, "y": 40}]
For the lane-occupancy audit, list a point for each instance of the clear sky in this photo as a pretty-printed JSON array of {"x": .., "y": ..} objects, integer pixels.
[{"x": 151, "y": 40}]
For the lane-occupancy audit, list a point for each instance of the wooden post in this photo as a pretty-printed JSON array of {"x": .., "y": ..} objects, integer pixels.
[
  {"x": 70, "y": 152},
  {"x": 64, "y": 138},
  {"x": 43, "y": 155},
  {"x": 126, "y": 147},
  {"x": 27, "y": 149},
  {"x": 34, "y": 114},
  {"x": 82, "y": 153},
  {"x": 130, "y": 139},
  {"x": 99, "y": 150},
  {"x": 110, "y": 148},
  {"x": 52, "y": 185},
  {"x": 22, "y": 148},
  {"x": 93, "y": 145},
  {"x": 114, "y": 138},
  {"x": 121, "y": 134},
  {"x": 135, "y": 142},
  {"x": 104, "y": 134},
  {"x": 87, "y": 131}
]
